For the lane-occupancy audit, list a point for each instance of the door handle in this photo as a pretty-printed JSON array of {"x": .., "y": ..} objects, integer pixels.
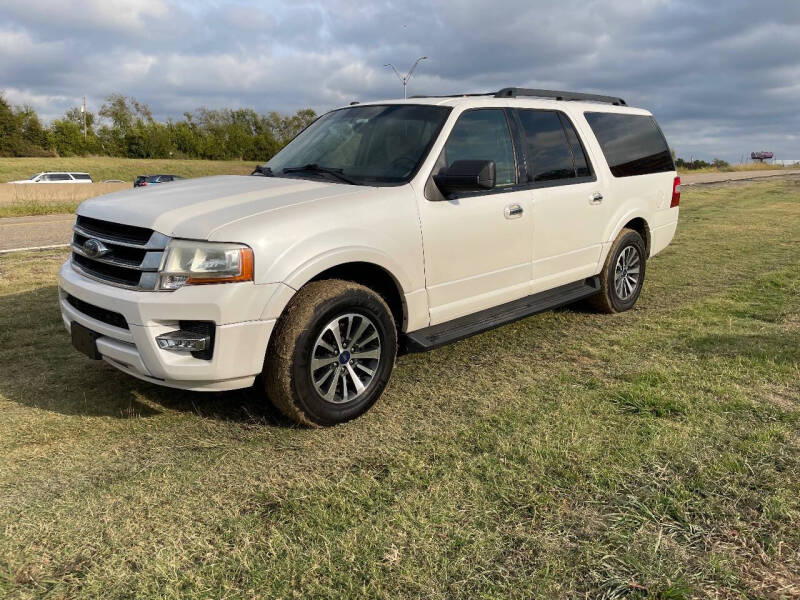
[
  {"x": 513, "y": 211},
  {"x": 596, "y": 198}
]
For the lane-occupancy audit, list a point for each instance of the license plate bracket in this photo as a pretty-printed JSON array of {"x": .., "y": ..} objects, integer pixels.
[{"x": 85, "y": 340}]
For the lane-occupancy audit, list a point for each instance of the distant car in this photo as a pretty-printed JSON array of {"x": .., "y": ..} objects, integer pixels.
[
  {"x": 57, "y": 177},
  {"x": 143, "y": 180}
]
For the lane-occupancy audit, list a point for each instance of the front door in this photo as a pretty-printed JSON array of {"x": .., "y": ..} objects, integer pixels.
[{"x": 477, "y": 246}]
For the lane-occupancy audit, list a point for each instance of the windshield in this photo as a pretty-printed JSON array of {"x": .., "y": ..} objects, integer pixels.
[
  {"x": 374, "y": 145},
  {"x": 34, "y": 176}
]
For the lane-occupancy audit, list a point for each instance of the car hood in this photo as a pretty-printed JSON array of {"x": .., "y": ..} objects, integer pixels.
[{"x": 195, "y": 208}]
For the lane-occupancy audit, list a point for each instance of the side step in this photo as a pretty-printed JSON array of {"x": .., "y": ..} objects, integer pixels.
[{"x": 463, "y": 327}]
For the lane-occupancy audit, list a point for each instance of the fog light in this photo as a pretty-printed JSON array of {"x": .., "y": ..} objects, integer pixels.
[{"x": 188, "y": 341}]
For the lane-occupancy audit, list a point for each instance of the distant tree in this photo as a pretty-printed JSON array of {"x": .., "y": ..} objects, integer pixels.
[
  {"x": 125, "y": 127},
  {"x": 10, "y": 134},
  {"x": 66, "y": 138},
  {"x": 75, "y": 115},
  {"x": 284, "y": 127}
]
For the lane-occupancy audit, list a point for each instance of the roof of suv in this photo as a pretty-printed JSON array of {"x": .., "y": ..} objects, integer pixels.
[{"x": 524, "y": 97}]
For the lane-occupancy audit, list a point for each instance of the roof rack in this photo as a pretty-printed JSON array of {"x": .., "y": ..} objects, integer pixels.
[
  {"x": 452, "y": 95},
  {"x": 514, "y": 92}
]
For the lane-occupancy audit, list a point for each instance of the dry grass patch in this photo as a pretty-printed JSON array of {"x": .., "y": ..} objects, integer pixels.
[{"x": 51, "y": 198}]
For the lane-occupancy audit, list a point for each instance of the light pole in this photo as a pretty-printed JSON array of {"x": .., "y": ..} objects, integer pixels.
[{"x": 404, "y": 80}]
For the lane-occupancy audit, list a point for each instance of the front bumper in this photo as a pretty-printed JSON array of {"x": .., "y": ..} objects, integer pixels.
[{"x": 241, "y": 335}]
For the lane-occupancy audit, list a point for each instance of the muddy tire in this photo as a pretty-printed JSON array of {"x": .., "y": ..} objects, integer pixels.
[
  {"x": 331, "y": 354},
  {"x": 623, "y": 273}
]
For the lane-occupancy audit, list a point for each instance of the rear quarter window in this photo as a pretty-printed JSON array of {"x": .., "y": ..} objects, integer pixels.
[
  {"x": 632, "y": 144},
  {"x": 81, "y": 176}
]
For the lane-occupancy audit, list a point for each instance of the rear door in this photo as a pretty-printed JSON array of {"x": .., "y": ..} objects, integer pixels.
[
  {"x": 569, "y": 211},
  {"x": 477, "y": 245}
]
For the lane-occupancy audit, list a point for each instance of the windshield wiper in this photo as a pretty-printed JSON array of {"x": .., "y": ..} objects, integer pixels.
[
  {"x": 263, "y": 171},
  {"x": 315, "y": 168}
]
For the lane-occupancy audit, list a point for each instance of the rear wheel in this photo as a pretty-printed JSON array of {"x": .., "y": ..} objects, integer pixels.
[
  {"x": 331, "y": 354},
  {"x": 623, "y": 274}
]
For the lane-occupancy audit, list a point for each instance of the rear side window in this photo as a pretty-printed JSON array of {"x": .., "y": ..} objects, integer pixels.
[
  {"x": 632, "y": 144},
  {"x": 582, "y": 168},
  {"x": 81, "y": 176},
  {"x": 553, "y": 149}
]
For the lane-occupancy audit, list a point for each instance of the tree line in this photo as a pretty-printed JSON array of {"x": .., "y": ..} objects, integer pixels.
[
  {"x": 125, "y": 127},
  {"x": 697, "y": 163}
]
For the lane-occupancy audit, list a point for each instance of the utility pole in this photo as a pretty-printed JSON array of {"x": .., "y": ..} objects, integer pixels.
[
  {"x": 404, "y": 80},
  {"x": 83, "y": 110}
]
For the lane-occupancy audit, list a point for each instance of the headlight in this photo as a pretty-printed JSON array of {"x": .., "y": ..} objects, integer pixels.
[{"x": 187, "y": 262}]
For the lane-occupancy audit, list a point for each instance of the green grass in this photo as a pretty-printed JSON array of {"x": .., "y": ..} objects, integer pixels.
[
  {"x": 653, "y": 454},
  {"x": 104, "y": 167},
  {"x": 27, "y": 209}
]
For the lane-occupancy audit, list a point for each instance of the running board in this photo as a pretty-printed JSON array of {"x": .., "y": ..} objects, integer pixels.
[{"x": 463, "y": 327}]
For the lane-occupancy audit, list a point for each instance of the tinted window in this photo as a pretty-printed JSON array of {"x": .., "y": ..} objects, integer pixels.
[
  {"x": 483, "y": 134},
  {"x": 81, "y": 176},
  {"x": 59, "y": 177},
  {"x": 632, "y": 144},
  {"x": 548, "y": 152},
  {"x": 582, "y": 168}
]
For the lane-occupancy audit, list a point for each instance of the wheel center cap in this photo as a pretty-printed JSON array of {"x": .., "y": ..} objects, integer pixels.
[{"x": 344, "y": 357}]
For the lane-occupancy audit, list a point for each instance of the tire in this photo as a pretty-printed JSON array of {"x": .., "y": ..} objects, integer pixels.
[
  {"x": 306, "y": 332},
  {"x": 627, "y": 254}
]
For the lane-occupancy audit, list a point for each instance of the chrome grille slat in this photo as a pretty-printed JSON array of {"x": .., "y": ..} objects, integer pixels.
[
  {"x": 157, "y": 241},
  {"x": 133, "y": 257},
  {"x": 151, "y": 261}
]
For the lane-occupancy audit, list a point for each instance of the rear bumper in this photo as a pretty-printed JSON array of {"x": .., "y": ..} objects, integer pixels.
[{"x": 240, "y": 341}]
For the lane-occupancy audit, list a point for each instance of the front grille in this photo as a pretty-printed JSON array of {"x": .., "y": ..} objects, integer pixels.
[
  {"x": 137, "y": 235},
  {"x": 120, "y": 255},
  {"x": 109, "y": 317}
]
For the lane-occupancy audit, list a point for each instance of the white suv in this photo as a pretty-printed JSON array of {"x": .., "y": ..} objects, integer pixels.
[
  {"x": 56, "y": 177},
  {"x": 403, "y": 224}
]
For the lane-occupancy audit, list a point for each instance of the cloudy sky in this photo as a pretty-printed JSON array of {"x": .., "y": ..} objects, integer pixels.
[{"x": 722, "y": 77}]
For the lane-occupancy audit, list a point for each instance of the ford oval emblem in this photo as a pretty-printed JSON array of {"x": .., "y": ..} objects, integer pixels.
[{"x": 95, "y": 248}]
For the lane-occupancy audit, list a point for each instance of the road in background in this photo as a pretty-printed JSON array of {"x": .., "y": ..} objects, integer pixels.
[
  {"x": 19, "y": 233},
  {"x": 27, "y": 233},
  {"x": 701, "y": 178}
]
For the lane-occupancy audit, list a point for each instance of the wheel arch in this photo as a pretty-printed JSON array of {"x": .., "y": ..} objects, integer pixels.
[
  {"x": 375, "y": 277},
  {"x": 372, "y": 271},
  {"x": 639, "y": 225},
  {"x": 635, "y": 220}
]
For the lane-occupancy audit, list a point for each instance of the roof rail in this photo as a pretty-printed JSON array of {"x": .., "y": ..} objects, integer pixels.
[
  {"x": 513, "y": 92},
  {"x": 453, "y": 95}
]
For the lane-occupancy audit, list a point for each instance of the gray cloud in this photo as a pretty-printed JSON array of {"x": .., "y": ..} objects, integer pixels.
[{"x": 723, "y": 78}]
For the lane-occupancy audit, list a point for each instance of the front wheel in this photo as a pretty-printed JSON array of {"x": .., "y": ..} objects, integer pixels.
[
  {"x": 332, "y": 353},
  {"x": 623, "y": 273}
]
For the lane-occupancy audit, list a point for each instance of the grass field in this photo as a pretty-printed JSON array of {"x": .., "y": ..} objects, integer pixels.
[
  {"x": 654, "y": 454},
  {"x": 104, "y": 167}
]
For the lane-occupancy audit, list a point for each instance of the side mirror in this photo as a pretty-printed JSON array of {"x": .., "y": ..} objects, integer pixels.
[{"x": 466, "y": 176}]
